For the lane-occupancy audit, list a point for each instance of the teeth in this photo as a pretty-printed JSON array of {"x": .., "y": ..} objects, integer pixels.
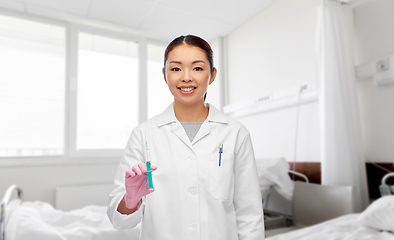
[{"x": 186, "y": 89}]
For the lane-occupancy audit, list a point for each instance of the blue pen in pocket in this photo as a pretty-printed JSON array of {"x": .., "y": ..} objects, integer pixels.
[{"x": 220, "y": 154}]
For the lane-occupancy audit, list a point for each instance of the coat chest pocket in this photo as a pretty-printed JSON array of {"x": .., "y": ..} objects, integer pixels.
[{"x": 221, "y": 178}]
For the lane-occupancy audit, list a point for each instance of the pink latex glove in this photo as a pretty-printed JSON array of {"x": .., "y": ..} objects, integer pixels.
[{"x": 136, "y": 183}]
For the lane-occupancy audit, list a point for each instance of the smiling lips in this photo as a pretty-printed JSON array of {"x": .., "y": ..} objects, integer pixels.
[{"x": 187, "y": 89}]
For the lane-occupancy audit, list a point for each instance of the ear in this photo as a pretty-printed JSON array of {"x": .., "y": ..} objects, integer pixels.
[
  {"x": 213, "y": 75},
  {"x": 164, "y": 75}
]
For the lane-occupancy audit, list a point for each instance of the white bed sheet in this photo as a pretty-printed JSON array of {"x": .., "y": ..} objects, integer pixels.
[
  {"x": 39, "y": 220},
  {"x": 342, "y": 228}
]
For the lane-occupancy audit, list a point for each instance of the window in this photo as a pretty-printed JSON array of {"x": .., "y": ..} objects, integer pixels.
[
  {"x": 159, "y": 96},
  {"x": 32, "y": 87},
  {"x": 107, "y": 99},
  {"x": 71, "y": 93}
]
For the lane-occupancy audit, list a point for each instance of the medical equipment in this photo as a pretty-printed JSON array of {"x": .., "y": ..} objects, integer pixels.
[
  {"x": 148, "y": 167},
  {"x": 280, "y": 192},
  {"x": 136, "y": 185},
  {"x": 294, "y": 173},
  {"x": 302, "y": 88},
  {"x": 384, "y": 188}
]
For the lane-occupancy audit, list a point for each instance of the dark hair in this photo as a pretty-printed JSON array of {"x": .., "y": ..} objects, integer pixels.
[{"x": 192, "y": 41}]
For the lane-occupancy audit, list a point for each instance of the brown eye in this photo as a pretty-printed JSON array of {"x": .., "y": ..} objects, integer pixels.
[
  {"x": 175, "y": 69},
  {"x": 198, "y": 69}
]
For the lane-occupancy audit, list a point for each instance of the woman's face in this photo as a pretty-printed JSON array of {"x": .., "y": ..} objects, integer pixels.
[{"x": 187, "y": 73}]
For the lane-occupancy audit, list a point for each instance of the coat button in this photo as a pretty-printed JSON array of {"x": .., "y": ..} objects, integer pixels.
[
  {"x": 193, "y": 191},
  {"x": 194, "y": 226},
  {"x": 192, "y": 158}
]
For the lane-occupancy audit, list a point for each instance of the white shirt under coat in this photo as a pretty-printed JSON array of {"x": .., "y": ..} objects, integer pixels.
[{"x": 194, "y": 197}]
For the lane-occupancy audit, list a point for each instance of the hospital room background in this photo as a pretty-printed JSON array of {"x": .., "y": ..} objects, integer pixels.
[{"x": 268, "y": 66}]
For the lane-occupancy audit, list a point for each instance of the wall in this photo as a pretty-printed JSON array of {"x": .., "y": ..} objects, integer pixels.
[
  {"x": 214, "y": 90},
  {"x": 39, "y": 183},
  {"x": 374, "y": 39},
  {"x": 276, "y": 50},
  {"x": 273, "y": 51}
]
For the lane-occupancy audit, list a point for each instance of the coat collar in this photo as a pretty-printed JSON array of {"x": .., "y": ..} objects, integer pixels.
[{"x": 168, "y": 115}]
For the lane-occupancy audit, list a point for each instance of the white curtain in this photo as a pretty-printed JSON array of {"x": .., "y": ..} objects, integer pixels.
[{"x": 342, "y": 157}]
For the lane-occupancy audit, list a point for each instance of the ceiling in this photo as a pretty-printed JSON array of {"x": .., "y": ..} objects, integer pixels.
[{"x": 161, "y": 20}]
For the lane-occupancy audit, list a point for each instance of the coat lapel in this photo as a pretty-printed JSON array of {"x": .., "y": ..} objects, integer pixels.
[
  {"x": 180, "y": 132},
  {"x": 204, "y": 130},
  {"x": 214, "y": 116},
  {"x": 168, "y": 117}
]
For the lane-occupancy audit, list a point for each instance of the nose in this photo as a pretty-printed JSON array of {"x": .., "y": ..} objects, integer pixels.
[{"x": 187, "y": 77}]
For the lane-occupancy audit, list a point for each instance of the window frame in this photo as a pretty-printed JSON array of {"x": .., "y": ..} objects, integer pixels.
[
  {"x": 40, "y": 160},
  {"x": 158, "y": 43},
  {"x": 73, "y": 91},
  {"x": 71, "y": 155}
]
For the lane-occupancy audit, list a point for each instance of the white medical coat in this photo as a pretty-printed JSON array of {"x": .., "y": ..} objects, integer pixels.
[{"x": 194, "y": 197}]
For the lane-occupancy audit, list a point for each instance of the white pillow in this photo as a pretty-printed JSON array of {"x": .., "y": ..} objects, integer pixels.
[
  {"x": 274, "y": 172},
  {"x": 379, "y": 215}
]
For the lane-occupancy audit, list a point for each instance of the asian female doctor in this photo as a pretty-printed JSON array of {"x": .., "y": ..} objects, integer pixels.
[{"x": 204, "y": 172}]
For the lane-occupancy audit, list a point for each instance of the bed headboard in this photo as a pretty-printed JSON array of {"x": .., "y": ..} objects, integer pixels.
[
  {"x": 74, "y": 197},
  {"x": 310, "y": 169},
  {"x": 375, "y": 173}
]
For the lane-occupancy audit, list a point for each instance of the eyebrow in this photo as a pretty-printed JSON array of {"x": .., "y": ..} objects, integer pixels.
[{"x": 197, "y": 61}]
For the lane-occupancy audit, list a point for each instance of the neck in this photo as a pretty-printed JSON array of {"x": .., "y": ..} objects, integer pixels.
[{"x": 190, "y": 113}]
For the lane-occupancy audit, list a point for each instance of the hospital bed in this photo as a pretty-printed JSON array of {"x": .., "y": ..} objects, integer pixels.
[
  {"x": 71, "y": 220},
  {"x": 326, "y": 212},
  {"x": 274, "y": 220},
  {"x": 277, "y": 189},
  {"x": 40, "y": 220}
]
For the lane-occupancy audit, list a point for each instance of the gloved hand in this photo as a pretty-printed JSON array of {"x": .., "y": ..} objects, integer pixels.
[{"x": 136, "y": 183}]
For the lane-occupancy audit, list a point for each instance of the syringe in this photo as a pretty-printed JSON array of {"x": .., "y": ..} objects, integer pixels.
[{"x": 148, "y": 167}]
